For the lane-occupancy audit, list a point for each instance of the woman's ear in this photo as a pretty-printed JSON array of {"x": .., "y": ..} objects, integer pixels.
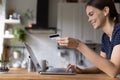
[{"x": 106, "y": 11}]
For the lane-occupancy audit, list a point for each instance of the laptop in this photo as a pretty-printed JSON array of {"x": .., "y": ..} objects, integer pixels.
[{"x": 51, "y": 71}]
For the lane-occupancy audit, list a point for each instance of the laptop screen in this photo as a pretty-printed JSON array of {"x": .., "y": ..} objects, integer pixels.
[
  {"x": 38, "y": 68},
  {"x": 34, "y": 60}
]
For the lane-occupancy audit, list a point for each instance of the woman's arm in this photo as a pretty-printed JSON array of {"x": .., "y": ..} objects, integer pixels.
[
  {"x": 94, "y": 69},
  {"x": 88, "y": 70},
  {"x": 91, "y": 70},
  {"x": 110, "y": 67}
]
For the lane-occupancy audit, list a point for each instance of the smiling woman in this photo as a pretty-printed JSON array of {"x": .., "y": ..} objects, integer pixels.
[{"x": 102, "y": 15}]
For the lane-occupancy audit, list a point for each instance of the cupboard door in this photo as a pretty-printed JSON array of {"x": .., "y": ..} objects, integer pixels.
[
  {"x": 98, "y": 36},
  {"x": 88, "y": 30},
  {"x": 68, "y": 19},
  {"x": 73, "y": 22},
  {"x": 117, "y": 5},
  {"x": 89, "y": 34}
]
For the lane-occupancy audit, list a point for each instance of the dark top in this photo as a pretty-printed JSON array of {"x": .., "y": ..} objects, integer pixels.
[{"x": 107, "y": 45}]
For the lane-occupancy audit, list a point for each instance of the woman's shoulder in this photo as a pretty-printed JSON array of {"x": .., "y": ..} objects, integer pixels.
[
  {"x": 116, "y": 28},
  {"x": 116, "y": 32},
  {"x": 104, "y": 37},
  {"x": 116, "y": 35},
  {"x": 117, "y": 24}
]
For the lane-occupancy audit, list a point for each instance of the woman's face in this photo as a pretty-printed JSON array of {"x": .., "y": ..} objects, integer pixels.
[{"x": 95, "y": 17}]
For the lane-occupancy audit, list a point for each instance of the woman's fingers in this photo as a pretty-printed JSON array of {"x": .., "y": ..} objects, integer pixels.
[
  {"x": 71, "y": 67},
  {"x": 62, "y": 40},
  {"x": 74, "y": 68},
  {"x": 68, "y": 42}
]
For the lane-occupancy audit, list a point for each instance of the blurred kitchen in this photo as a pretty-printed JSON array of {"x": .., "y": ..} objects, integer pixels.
[{"x": 64, "y": 17}]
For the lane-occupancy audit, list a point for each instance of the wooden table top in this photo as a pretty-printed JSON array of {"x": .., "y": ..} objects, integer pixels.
[{"x": 24, "y": 75}]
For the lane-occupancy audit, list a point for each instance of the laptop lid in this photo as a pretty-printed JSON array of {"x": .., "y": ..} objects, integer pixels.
[
  {"x": 35, "y": 62},
  {"x": 38, "y": 68}
]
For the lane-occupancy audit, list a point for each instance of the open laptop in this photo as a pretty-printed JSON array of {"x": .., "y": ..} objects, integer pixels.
[{"x": 52, "y": 71}]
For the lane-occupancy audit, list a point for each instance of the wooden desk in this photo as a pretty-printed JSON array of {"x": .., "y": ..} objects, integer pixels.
[{"x": 24, "y": 75}]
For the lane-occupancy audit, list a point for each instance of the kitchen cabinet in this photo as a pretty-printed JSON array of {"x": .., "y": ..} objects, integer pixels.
[
  {"x": 9, "y": 24},
  {"x": 117, "y": 5},
  {"x": 89, "y": 35},
  {"x": 88, "y": 30},
  {"x": 68, "y": 21},
  {"x": 73, "y": 22},
  {"x": 7, "y": 28}
]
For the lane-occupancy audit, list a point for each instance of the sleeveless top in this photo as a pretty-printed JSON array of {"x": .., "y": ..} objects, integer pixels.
[{"x": 107, "y": 45}]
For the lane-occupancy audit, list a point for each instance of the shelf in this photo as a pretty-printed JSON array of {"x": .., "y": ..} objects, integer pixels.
[
  {"x": 18, "y": 69},
  {"x": 15, "y": 46},
  {"x": 12, "y": 21},
  {"x": 41, "y": 30},
  {"x": 9, "y": 36}
]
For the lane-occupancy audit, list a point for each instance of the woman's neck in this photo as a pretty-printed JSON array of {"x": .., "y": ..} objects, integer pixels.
[{"x": 108, "y": 28}]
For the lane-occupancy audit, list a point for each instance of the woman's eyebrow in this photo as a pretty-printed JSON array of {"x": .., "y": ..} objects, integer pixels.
[{"x": 89, "y": 13}]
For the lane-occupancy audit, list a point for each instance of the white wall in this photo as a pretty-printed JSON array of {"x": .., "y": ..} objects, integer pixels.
[{"x": 2, "y": 17}]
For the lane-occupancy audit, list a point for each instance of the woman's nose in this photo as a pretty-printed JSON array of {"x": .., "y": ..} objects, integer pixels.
[{"x": 90, "y": 20}]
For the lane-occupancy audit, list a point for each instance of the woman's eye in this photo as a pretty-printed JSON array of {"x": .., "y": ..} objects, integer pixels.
[{"x": 91, "y": 14}]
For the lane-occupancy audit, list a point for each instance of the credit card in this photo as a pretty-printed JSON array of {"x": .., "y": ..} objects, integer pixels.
[{"x": 54, "y": 36}]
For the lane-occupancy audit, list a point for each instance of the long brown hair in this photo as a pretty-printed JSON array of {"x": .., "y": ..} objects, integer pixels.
[{"x": 101, "y": 4}]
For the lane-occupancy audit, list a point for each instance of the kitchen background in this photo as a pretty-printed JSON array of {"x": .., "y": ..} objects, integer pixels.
[{"x": 70, "y": 20}]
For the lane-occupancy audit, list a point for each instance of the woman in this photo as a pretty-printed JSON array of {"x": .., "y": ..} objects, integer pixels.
[{"x": 102, "y": 15}]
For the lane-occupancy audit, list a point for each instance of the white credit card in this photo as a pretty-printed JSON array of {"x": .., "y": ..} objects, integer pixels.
[{"x": 54, "y": 36}]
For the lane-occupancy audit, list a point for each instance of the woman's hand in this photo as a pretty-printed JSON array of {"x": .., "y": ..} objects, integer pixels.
[
  {"x": 74, "y": 68},
  {"x": 68, "y": 42}
]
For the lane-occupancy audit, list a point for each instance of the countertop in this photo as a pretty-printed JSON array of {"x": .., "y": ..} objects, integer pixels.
[{"x": 24, "y": 75}]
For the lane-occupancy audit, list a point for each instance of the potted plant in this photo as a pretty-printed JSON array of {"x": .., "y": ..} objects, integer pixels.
[
  {"x": 19, "y": 37},
  {"x": 19, "y": 34},
  {"x": 16, "y": 54},
  {"x": 3, "y": 62},
  {"x": 28, "y": 17}
]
